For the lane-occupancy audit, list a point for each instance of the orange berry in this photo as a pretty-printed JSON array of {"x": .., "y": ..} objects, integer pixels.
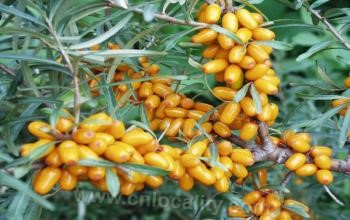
[
  {"x": 204, "y": 36},
  {"x": 248, "y": 131},
  {"x": 246, "y": 19},
  {"x": 244, "y": 34},
  {"x": 323, "y": 162},
  {"x": 247, "y": 62},
  {"x": 69, "y": 152},
  {"x": 211, "y": 51},
  {"x": 230, "y": 22},
  {"x": 263, "y": 34},
  {"x": 324, "y": 177},
  {"x": 186, "y": 182},
  {"x": 306, "y": 170},
  {"x": 83, "y": 136},
  {"x": 222, "y": 129},
  {"x": 40, "y": 129},
  {"x": 233, "y": 73},
  {"x": 212, "y": 13},
  {"x": 295, "y": 161},
  {"x": 215, "y": 66},
  {"x": 68, "y": 181},
  {"x": 256, "y": 72},
  {"x": 225, "y": 41},
  {"x": 46, "y": 180}
]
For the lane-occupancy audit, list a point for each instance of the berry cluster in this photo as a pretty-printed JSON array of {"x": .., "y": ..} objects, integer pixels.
[
  {"x": 266, "y": 204},
  {"x": 308, "y": 160},
  {"x": 100, "y": 137}
]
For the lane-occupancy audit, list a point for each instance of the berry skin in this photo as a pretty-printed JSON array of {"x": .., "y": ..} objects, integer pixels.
[
  {"x": 40, "y": 129},
  {"x": 230, "y": 112},
  {"x": 202, "y": 174},
  {"x": 232, "y": 74},
  {"x": 204, "y": 36},
  {"x": 230, "y": 22},
  {"x": 308, "y": 169},
  {"x": 323, "y": 162},
  {"x": 252, "y": 197},
  {"x": 236, "y": 211},
  {"x": 321, "y": 150},
  {"x": 212, "y": 13},
  {"x": 295, "y": 161},
  {"x": 68, "y": 181},
  {"x": 215, "y": 66},
  {"x": 68, "y": 152},
  {"x": 324, "y": 177},
  {"x": 47, "y": 179},
  {"x": 248, "y": 131},
  {"x": 246, "y": 19},
  {"x": 186, "y": 182},
  {"x": 263, "y": 34}
]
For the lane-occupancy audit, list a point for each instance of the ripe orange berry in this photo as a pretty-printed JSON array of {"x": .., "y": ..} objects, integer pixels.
[
  {"x": 96, "y": 173},
  {"x": 224, "y": 148},
  {"x": 246, "y": 19},
  {"x": 96, "y": 122},
  {"x": 222, "y": 184},
  {"x": 53, "y": 159},
  {"x": 162, "y": 90},
  {"x": 137, "y": 137},
  {"x": 172, "y": 100},
  {"x": 225, "y": 41},
  {"x": 236, "y": 54},
  {"x": 230, "y": 112},
  {"x": 252, "y": 197},
  {"x": 202, "y": 174},
  {"x": 224, "y": 93},
  {"x": 40, "y": 129},
  {"x": 244, "y": 34},
  {"x": 308, "y": 169},
  {"x": 165, "y": 124},
  {"x": 257, "y": 17},
  {"x": 258, "y": 71},
  {"x": 187, "y": 103},
  {"x": 174, "y": 127},
  {"x": 116, "y": 129},
  {"x": 64, "y": 125},
  {"x": 239, "y": 170},
  {"x": 227, "y": 162},
  {"x": 69, "y": 152},
  {"x": 86, "y": 153},
  {"x": 262, "y": 175},
  {"x": 197, "y": 148},
  {"x": 152, "y": 102},
  {"x": 295, "y": 161},
  {"x": 211, "y": 51},
  {"x": 175, "y": 112},
  {"x": 321, "y": 150},
  {"x": 259, "y": 55},
  {"x": 222, "y": 129},
  {"x": 236, "y": 211},
  {"x": 230, "y": 22},
  {"x": 77, "y": 170},
  {"x": 83, "y": 136},
  {"x": 68, "y": 181},
  {"x": 178, "y": 171},
  {"x": 127, "y": 188},
  {"x": 222, "y": 54},
  {"x": 233, "y": 73},
  {"x": 47, "y": 179},
  {"x": 118, "y": 152},
  {"x": 186, "y": 182},
  {"x": 266, "y": 114},
  {"x": 201, "y": 106},
  {"x": 212, "y": 13},
  {"x": 28, "y": 148},
  {"x": 323, "y": 162},
  {"x": 242, "y": 156},
  {"x": 215, "y": 66},
  {"x": 248, "y": 131},
  {"x": 247, "y": 62},
  {"x": 154, "y": 181},
  {"x": 248, "y": 106},
  {"x": 187, "y": 127},
  {"x": 204, "y": 36},
  {"x": 264, "y": 86},
  {"x": 99, "y": 146},
  {"x": 347, "y": 82},
  {"x": 145, "y": 90},
  {"x": 157, "y": 160},
  {"x": 153, "y": 69},
  {"x": 272, "y": 201},
  {"x": 263, "y": 34},
  {"x": 298, "y": 145},
  {"x": 324, "y": 177},
  {"x": 259, "y": 207}
]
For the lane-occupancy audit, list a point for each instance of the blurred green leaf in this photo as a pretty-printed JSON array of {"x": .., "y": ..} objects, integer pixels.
[
  {"x": 279, "y": 45},
  {"x": 314, "y": 49},
  {"x": 113, "y": 183},
  {"x": 221, "y": 30},
  {"x": 241, "y": 93},
  {"x": 297, "y": 209},
  {"x": 256, "y": 98},
  {"x": 345, "y": 128}
]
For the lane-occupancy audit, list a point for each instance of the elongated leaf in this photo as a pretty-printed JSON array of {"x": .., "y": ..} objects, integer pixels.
[
  {"x": 194, "y": 63},
  {"x": 103, "y": 37},
  {"x": 323, "y": 97},
  {"x": 313, "y": 50},
  {"x": 345, "y": 128},
  {"x": 279, "y": 45},
  {"x": 332, "y": 195},
  {"x": 241, "y": 93},
  {"x": 297, "y": 209},
  {"x": 318, "y": 3},
  {"x": 12, "y": 182},
  {"x": 204, "y": 132},
  {"x": 113, "y": 183},
  {"x": 322, "y": 73},
  {"x": 235, "y": 199},
  {"x": 227, "y": 33},
  {"x": 16, "y": 12},
  {"x": 119, "y": 53},
  {"x": 149, "y": 170},
  {"x": 28, "y": 58},
  {"x": 256, "y": 98},
  {"x": 28, "y": 78}
]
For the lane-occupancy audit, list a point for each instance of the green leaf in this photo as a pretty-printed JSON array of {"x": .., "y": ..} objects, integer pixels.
[
  {"x": 33, "y": 156},
  {"x": 241, "y": 93},
  {"x": 345, "y": 128},
  {"x": 117, "y": 53},
  {"x": 148, "y": 170},
  {"x": 29, "y": 58},
  {"x": 318, "y": 3},
  {"x": 313, "y": 50},
  {"x": 297, "y": 209},
  {"x": 103, "y": 37},
  {"x": 256, "y": 98},
  {"x": 97, "y": 163},
  {"x": 279, "y": 45},
  {"x": 201, "y": 129},
  {"x": 277, "y": 188},
  {"x": 322, "y": 73},
  {"x": 235, "y": 199},
  {"x": 12, "y": 182},
  {"x": 221, "y": 30},
  {"x": 194, "y": 63},
  {"x": 113, "y": 183},
  {"x": 109, "y": 96},
  {"x": 18, "y": 13}
]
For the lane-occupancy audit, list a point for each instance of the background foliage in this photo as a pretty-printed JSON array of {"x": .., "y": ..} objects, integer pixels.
[{"x": 311, "y": 71}]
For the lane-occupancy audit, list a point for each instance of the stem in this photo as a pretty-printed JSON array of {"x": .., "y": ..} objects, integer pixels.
[
  {"x": 287, "y": 178},
  {"x": 329, "y": 26},
  {"x": 228, "y": 5},
  {"x": 73, "y": 71},
  {"x": 170, "y": 19},
  {"x": 7, "y": 70}
]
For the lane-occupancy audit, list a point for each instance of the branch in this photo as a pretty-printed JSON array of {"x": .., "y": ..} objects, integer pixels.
[
  {"x": 7, "y": 70},
  {"x": 167, "y": 18},
  {"x": 329, "y": 26},
  {"x": 73, "y": 71},
  {"x": 228, "y": 5},
  {"x": 268, "y": 151}
]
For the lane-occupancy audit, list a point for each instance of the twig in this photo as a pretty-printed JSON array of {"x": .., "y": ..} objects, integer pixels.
[
  {"x": 73, "y": 71},
  {"x": 7, "y": 70},
  {"x": 228, "y": 5},
  {"x": 164, "y": 17},
  {"x": 287, "y": 178},
  {"x": 328, "y": 25}
]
